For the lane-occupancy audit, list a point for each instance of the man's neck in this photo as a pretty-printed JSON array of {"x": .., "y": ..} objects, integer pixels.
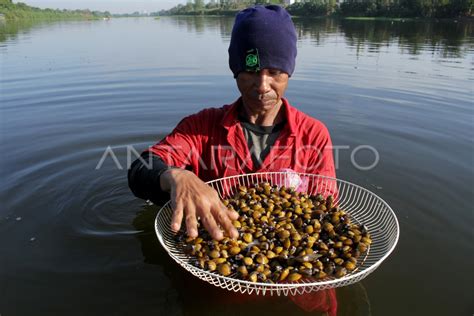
[{"x": 265, "y": 118}]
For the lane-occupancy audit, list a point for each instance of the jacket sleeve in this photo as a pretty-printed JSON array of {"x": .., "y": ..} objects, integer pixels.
[
  {"x": 144, "y": 178},
  {"x": 178, "y": 149}
]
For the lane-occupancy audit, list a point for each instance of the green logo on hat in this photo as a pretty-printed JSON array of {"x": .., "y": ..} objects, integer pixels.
[{"x": 252, "y": 60}]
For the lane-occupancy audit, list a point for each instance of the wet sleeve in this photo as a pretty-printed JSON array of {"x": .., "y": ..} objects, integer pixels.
[
  {"x": 144, "y": 178},
  {"x": 178, "y": 149}
]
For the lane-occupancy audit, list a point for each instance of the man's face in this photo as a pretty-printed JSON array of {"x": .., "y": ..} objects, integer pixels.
[{"x": 261, "y": 91}]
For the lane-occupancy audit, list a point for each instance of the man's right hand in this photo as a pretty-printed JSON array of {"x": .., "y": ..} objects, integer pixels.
[{"x": 191, "y": 198}]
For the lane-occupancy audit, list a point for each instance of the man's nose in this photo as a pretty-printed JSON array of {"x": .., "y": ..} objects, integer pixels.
[{"x": 263, "y": 82}]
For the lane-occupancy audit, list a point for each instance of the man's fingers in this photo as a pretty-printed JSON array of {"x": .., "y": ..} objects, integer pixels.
[
  {"x": 177, "y": 217},
  {"x": 223, "y": 218},
  {"x": 191, "y": 222},
  {"x": 211, "y": 226},
  {"x": 233, "y": 215}
]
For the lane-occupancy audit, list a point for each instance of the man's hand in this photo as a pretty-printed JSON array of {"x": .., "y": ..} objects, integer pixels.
[{"x": 192, "y": 198}]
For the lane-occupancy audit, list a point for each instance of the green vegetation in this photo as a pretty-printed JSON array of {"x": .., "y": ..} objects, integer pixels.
[
  {"x": 220, "y": 7},
  {"x": 301, "y": 8},
  {"x": 348, "y": 8},
  {"x": 408, "y": 8},
  {"x": 17, "y": 11},
  {"x": 313, "y": 8}
]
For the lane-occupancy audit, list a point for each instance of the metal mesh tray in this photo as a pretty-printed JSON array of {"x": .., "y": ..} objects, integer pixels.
[{"x": 363, "y": 206}]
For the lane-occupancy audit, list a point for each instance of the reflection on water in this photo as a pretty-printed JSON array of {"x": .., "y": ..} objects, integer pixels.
[
  {"x": 449, "y": 39},
  {"x": 9, "y": 30},
  {"x": 75, "y": 240},
  {"x": 199, "y": 24}
]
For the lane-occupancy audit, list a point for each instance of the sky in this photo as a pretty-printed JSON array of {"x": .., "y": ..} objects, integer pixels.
[{"x": 114, "y": 6}]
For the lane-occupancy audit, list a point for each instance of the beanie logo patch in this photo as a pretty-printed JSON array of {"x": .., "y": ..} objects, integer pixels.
[{"x": 252, "y": 60}]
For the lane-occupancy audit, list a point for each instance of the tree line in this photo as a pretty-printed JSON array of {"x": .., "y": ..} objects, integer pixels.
[
  {"x": 303, "y": 8},
  {"x": 348, "y": 8},
  {"x": 409, "y": 8},
  {"x": 15, "y": 11}
]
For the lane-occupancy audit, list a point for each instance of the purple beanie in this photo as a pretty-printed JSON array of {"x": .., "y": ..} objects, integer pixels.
[{"x": 263, "y": 37}]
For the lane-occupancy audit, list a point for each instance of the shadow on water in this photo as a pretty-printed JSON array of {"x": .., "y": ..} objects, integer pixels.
[{"x": 192, "y": 292}]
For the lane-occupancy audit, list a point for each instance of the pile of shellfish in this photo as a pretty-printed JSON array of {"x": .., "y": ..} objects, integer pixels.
[{"x": 284, "y": 236}]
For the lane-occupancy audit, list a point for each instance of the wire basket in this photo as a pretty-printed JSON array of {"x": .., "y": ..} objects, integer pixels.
[{"x": 363, "y": 206}]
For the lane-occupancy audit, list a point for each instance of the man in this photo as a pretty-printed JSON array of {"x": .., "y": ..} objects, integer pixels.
[{"x": 259, "y": 132}]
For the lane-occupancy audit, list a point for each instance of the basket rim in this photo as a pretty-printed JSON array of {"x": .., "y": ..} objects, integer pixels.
[{"x": 270, "y": 286}]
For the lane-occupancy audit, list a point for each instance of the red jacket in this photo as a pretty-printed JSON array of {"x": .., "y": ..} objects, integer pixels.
[{"x": 213, "y": 144}]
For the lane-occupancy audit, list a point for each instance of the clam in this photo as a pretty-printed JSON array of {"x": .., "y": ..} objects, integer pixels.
[{"x": 224, "y": 269}]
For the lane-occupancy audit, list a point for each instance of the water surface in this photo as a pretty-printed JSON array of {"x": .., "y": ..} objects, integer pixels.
[{"x": 75, "y": 241}]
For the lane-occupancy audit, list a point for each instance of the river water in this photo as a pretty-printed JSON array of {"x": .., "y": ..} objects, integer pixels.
[{"x": 79, "y": 98}]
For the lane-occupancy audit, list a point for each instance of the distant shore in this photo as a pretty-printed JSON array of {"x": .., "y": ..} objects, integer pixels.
[
  {"x": 19, "y": 11},
  {"x": 354, "y": 18},
  {"x": 371, "y": 9},
  {"x": 347, "y": 10}
]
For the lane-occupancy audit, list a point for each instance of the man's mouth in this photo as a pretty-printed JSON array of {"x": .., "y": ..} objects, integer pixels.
[{"x": 265, "y": 99}]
